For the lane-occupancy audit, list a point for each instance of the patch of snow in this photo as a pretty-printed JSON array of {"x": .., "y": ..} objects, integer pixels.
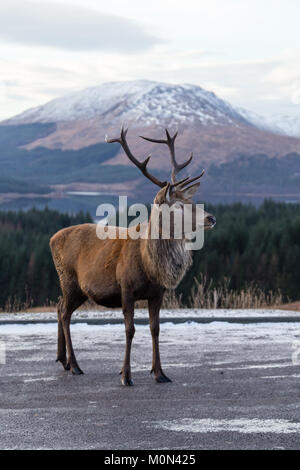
[
  {"x": 286, "y": 125},
  {"x": 40, "y": 379},
  {"x": 257, "y": 366},
  {"x": 220, "y": 338},
  {"x": 281, "y": 124},
  {"x": 293, "y": 376},
  {"x": 240, "y": 425}
]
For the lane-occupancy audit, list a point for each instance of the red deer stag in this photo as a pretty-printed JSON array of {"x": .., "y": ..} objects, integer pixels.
[{"x": 117, "y": 272}]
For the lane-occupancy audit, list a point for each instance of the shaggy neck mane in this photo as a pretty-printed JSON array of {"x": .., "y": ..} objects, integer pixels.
[{"x": 166, "y": 261}]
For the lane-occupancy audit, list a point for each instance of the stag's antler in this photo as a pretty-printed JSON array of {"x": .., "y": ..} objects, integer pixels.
[
  {"x": 170, "y": 142},
  {"x": 141, "y": 165},
  {"x": 176, "y": 167}
]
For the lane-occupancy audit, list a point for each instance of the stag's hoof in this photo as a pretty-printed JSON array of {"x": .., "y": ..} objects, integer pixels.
[
  {"x": 64, "y": 363},
  {"x": 161, "y": 377},
  {"x": 126, "y": 382},
  {"x": 76, "y": 370}
]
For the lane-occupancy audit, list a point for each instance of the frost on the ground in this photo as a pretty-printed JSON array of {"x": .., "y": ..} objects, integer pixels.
[
  {"x": 218, "y": 366},
  {"x": 183, "y": 313},
  {"x": 221, "y": 345},
  {"x": 241, "y": 425}
]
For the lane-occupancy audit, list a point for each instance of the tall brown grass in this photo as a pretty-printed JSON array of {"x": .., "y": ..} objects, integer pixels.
[{"x": 204, "y": 295}]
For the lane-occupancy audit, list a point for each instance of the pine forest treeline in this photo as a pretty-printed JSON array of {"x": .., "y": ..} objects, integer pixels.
[{"x": 249, "y": 246}]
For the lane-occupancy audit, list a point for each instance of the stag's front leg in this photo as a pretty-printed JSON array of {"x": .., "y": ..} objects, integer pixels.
[
  {"x": 154, "y": 308},
  {"x": 128, "y": 312},
  {"x": 61, "y": 342}
]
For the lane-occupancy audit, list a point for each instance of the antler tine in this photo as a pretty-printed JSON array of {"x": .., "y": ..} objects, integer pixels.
[
  {"x": 170, "y": 143},
  {"x": 142, "y": 166},
  {"x": 181, "y": 182},
  {"x": 188, "y": 181}
]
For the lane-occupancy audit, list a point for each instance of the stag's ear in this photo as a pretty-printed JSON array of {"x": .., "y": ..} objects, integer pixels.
[
  {"x": 167, "y": 195},
  {"x": 163, "y": 195},
  {"x": 189, "y": 192}
]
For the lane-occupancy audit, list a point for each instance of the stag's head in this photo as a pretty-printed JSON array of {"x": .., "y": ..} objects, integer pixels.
[{"x": 178, "y": 195}]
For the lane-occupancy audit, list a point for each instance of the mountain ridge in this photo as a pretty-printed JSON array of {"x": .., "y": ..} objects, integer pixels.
[
  {"x": 241, "y": 154},
  {"x": 141, "y": 96},
  {"x": 212, "y": 128},
  {"x": 149, "y": 101}
]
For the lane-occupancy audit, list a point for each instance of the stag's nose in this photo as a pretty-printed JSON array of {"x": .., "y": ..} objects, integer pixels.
[{"x": 212, "y": 220}]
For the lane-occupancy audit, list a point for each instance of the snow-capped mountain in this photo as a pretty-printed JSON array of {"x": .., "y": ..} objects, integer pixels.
[
  {"x": 257, "y": 120},
  {"x": 285, "y": 125},
  {"x": 243, "y": 153},
  {"x": 279, "y": 123},
  {"x": 208, "y": 125},
  {"x": 139, "y": 101}
]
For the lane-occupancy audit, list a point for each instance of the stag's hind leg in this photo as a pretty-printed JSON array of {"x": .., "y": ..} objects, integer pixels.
[
  {"x": 154, "y": 308},
  {"x": 72, "y": 299}
]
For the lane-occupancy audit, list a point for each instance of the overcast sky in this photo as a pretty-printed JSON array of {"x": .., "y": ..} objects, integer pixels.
[{"x": 246, "y": 51}]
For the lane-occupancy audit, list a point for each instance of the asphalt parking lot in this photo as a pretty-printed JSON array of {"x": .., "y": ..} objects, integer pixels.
[{"x": 235, "y": 386}]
